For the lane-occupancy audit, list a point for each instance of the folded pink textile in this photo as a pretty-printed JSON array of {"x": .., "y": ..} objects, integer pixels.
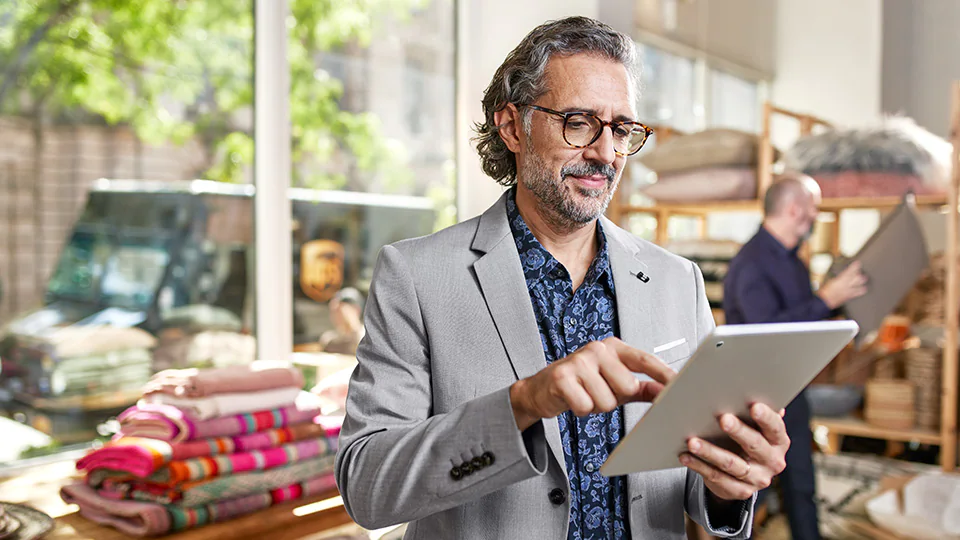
[
  {"x": 142, "y": 456},
  {"x": 170, "y": 424},
  {"x": 253, "y": 377},
  {"x": 137, "y": 518},
  {"x": 176, "y": 473},
  {"x": 186, "y": 518},
  {"x": 130, "y": 517},
  {"x": 205, "y": 408},
  {"x": 209, "y": 490}
]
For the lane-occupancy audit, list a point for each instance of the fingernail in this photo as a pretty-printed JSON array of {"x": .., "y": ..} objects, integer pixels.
[
  {"x": 727, "y": 422},
  {"x": 694, "y": 445},
  {"x": 756, "y": 412},
  {"x": 685, "y": 459}
]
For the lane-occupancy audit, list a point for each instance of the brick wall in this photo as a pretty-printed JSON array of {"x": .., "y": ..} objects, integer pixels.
[{"x": 37, "y": 211}]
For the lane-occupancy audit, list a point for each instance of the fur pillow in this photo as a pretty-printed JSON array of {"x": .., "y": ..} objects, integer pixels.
[
  {"x": 872, "y": 184},
  {"x": 897, "y": 145}
]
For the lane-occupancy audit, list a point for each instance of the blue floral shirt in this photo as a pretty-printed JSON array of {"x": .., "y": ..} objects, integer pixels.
[{"x": 568, "y": 320}]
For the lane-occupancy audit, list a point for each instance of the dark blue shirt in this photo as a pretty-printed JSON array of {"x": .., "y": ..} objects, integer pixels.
[
  {"x": 766, "y": 282},
  {"x": 568, "y": 320}
]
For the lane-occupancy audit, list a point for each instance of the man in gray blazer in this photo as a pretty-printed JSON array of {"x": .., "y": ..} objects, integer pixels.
[{"x": 507, "y": 355}]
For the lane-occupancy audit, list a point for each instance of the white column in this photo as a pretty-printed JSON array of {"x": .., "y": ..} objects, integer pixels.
[{"x": 274, "y": 267}]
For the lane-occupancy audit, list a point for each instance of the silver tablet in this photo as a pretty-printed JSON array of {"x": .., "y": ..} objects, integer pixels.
[{"x": 735, "y": 366}]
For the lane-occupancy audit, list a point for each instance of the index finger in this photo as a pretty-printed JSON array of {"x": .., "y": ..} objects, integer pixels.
[{"x": 643, "y": 362}]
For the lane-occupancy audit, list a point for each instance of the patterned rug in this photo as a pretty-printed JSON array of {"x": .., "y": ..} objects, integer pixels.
[{"x": 845, "y": 482}]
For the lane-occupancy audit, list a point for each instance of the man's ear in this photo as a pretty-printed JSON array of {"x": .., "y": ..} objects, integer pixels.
[{"x": 509, "y": 126}]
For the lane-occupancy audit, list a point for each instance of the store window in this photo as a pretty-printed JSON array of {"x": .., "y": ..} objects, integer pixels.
[
  {"x": 734, "y": 102},
  {"x": 115, "y": 260},
  {"x": 381, "y": 146},
  {"x": 126, "y": 196},
  {"x": 668, "y": 94}
]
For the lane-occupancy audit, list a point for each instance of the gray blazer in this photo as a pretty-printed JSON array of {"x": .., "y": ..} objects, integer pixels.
[{"x": 449, "y": 328}]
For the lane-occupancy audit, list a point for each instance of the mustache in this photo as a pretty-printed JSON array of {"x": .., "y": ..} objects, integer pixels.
[{"x": 589, "y": 169}]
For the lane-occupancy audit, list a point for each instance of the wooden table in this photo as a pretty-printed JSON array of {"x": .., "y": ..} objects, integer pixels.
[
  {"x": 281, "y": 522},
  {"x": 295, "y": 520}
]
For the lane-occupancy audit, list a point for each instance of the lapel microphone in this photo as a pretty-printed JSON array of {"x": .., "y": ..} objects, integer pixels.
[{"x": 641, "y": 276}]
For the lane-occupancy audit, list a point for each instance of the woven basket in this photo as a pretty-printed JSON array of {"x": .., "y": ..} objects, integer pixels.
[
  {"x": 890, "y": 404},
  {"x": 923, "y": 369},
  {"x": 888, "y": 367},
  {"x": 925, "y": 302}
]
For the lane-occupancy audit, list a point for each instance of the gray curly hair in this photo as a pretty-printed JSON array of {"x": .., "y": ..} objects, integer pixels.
[{"x": 520, "y": 80}]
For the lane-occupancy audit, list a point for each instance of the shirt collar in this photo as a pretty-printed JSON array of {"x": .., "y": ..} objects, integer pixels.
[
  {"x": 774, "y": 245},
  {"x": 538, "y": 262}
]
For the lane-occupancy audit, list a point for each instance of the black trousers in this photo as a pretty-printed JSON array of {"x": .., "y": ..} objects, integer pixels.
[{"x": 797, "y": 482}]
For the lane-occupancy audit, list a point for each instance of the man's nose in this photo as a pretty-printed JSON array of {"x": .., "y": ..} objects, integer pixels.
[{"x": 602, "y": 149}]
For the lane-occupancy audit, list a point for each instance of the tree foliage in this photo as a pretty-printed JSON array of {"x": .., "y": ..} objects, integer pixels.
[{"x": 179, "y": 70}]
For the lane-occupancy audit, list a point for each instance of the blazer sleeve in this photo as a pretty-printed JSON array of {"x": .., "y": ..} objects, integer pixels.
[
  {"x": 397, "y": 458},
  {"x": 736, "y": 521}
]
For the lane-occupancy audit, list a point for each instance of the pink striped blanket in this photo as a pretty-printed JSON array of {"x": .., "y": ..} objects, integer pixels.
[{"x": 142, "y": 456}]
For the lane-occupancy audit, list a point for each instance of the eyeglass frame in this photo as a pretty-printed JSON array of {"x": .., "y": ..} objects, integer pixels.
[{"x": 603, "y": 123}]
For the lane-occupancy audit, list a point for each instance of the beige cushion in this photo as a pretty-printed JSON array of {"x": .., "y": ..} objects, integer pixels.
[
  {"x": 711, "y": 184},
  {"x": 708, "y": 148}
]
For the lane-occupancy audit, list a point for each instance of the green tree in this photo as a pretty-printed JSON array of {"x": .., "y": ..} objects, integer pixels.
[{"x": 177, "y": 70}]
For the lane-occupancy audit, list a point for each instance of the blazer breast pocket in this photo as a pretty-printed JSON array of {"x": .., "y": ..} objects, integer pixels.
[{"x": 673, "y": 351}]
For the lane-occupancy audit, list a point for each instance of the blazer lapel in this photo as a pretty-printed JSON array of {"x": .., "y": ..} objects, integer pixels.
[
  {"x": 636, "y": 317},
  {"x": 636, "y": 313},
  {"x": 632, "y": 279},
  {"x": 504, "y": 288}
]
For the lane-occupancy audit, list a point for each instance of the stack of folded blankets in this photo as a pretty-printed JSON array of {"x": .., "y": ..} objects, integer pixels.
[
  {"x": 711, "y": 165},
  {"x": 204, "y": 446}
]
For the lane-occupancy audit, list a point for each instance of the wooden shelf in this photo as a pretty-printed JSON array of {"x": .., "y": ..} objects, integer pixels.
[
  {"x": 858, "y": 428},
  {"x": 923, "y": 201},
  {"x": 828, "y": 205},
  {"x": 285, "y": 521},
  {"x": 946, "y": 436}
]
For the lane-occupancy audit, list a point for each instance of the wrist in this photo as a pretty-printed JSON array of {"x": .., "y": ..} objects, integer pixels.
[
  {"x": 828, "y": 300},
  {"x": 520, "y": 413}
]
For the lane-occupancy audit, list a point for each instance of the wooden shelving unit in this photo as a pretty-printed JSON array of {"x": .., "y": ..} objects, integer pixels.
[{"x": 946, "y": 436}]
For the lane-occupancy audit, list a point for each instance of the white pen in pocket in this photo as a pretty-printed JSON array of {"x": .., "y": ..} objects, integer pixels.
[{"x": 667, "y": 346}]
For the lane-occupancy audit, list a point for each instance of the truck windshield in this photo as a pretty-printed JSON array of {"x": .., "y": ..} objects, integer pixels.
[{"x": 119, "y": 251}]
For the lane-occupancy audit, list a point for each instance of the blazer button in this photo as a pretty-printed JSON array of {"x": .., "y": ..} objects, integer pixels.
[
  {"x": 477, "y": 463},
  {"x": 557, "y": 496},
  {"x": 466, "y": 469},
  {"x": 487, "y": 458},
  {"x": 455, "y": 473}
]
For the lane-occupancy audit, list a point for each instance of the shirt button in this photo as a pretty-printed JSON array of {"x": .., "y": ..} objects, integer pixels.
[
  {"x": 557, "y": 496},
  {"x": 590, "y": 467}
]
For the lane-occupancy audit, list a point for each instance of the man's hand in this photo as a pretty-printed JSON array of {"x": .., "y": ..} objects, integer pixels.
[
  {"x": 732, "y": 477},
  {"x": 847, "y": 285},
  {"x": 596, "y": 378}
]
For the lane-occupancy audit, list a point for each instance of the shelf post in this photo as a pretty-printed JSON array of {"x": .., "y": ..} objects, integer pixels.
[
  {"x": 765, "y": 158},
  {"x": 948, "y": 413}
]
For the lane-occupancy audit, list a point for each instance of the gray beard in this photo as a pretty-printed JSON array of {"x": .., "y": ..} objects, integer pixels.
[{"x": 560, "y": 210}]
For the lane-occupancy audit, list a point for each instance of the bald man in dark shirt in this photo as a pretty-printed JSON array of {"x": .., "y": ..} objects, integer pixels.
[{"x": 768, "y": 282}]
